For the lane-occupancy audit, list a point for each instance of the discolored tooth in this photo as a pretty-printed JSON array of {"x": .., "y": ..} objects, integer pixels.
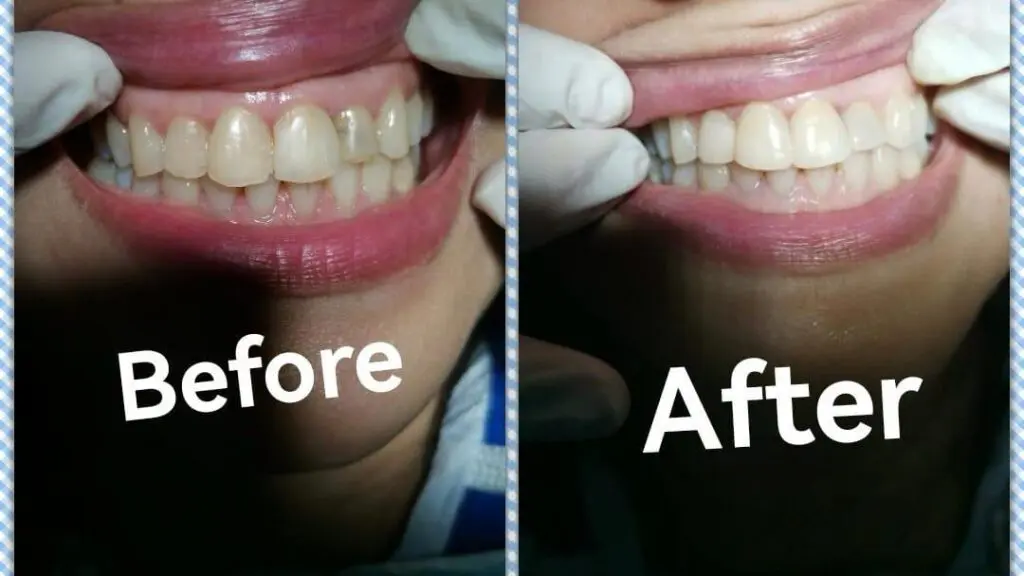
[
  {"x": 123, "y": 178},
  {"x": 146, "y": 186},
  {"x": 241, "y": 149},
  {"x": 683, "y": 139},
  {"x": 747, "y": 179},
  {"x": 219, "y": 198},
  {"x": 306, "y": 147},
  {"x": 183, "y": 191},
  {"x": 685, "y": 175},
  {"x": 885, "y": 167},
  {"x": 117, "y": 139},
  {"x": 716, "y": 138},
  {"x": 763, "y": 141},
  {"x": 855, "y": 171},
  {"x": 147, "y": 147},
  {"x": 820, "y": 179},
  {"x": 262, "y": 197},
  {"x": 185, "y": 148},
  {"x": 918, "y": 118},
  {"x": 345, "y": 188},
  {"x": 819, "y": 136},
  {"x": 403, "y": 178},
  {"x": 782, "y": 181},
  {"x": 866, "y": 130},
  {"x": 103, "y": 171},
  {"x": 898, "y": 129},
  {"x": 303, "y": 197},
  {"x": 428, "y": 116},
  {"x": 660, "y": 135},
  {"x": 713, "y": 176},
  {"x": 909, "y": 164},
  {"x": 357, "y": 133},
  {"x": 392, "y": 127},
  {"x": 414, "y": 118},
  {"x": 377, "y": 179}
]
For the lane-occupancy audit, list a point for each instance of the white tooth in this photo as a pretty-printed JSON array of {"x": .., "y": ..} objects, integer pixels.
[
  {"x": 885, "y": 167},
  {"x": 392, "y": 127},
  {"x": 147, "y": 147},
  {"x": 898, "y": 128},
  {"x": 716, "y": 138},
  {"x": 262, "y": 197},
  {"x": 918, "y": 118},
  {"x": 185, "y": 148},
  {"x": 345, "y": 188},
  {"x": 654, "y": 171},
  {"x": 146, "y": 186},
  {"x": 922, "y": 149},
  {"x": 747, "y": 179},
  {"x": 819, "y": 136},
  {"x": 763, "y": 141},
  {"x": 414, "y": 118},
  {"x": 402, "y": 176},
  {"x": 103, "y": 171},
  {"x": 855, "y": 171},
  {"x": 124, "y": 178},
  {"x": 357, "y": 134},
  {"x": 184, "y": 191},
  {"x": 683, "y": 137},
  {"x": 220, "y": 198},
  {"x": 820, "y": 178},
  {"x": 377, "y": 179},
  {"x": 782, "y": 181},
  {"x": 241, "y": 149},
  {"x": 910, "y": 164},
  {"x": 428, "y": 117},
  {"x": 304, "y": 197},
  {"x": 660, "y": 131},
  {"x": 306, "y": 147},
  {"x": 713, "y": 176},
  {"x": 117, "y": 139},
  {"x": 866, "y": 130},
  {"x": 685, "y": 175}
]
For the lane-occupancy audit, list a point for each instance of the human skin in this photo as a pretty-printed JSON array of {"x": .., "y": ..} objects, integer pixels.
[
  {"x": 321, "y": 481},
  {"x": 632, "y": 292}
]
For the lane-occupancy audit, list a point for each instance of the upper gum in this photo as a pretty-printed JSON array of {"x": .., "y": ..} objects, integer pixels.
[{"x": 367, "y": 88}]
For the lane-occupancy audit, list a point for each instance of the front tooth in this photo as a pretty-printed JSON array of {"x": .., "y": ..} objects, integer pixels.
[
  {"x": 660, "y": 132},
  {"x": 685, "y": 175},
  {"x": 683, "y": 139},
  {"x": 117, "y": 139},
  {"x": 306, "y": 146},
  {"x": 241, "y": 149},
  {"x": 898, "y": 130},
  {"x": 356, "y": 131},
  {"x": 146, "y": 186},
  {"x": 855, "y": 171},
  {"x": 866, "y": 131},
  {"x": 428, "y": 117},
  {"x": 103, "y": 171},
  {"x": 345, "y": 188},
  {"x": 819, "y": 136},
  {"x": 885, "y": 167},
  {"x": 393, "y": 128},
  {"x": 147, "y": 147},
  {"x": 184, "y": 191},
  {"x": 403, "y": 178},
  {"x": 219, "y": 197},
  {"x": 820, "y": 178},
  {"x": 909, "y": 163},
  {"x": 782, "y": 181},
  {"x": 185, "y": 148},
  {"x": 713, "y": 176},
  {"x": 377, "y": 179},
  {"x": 762, "y": 138},
  {"x": 303, "y": 197},
  {"x": 716, "y": 138},
  {"x": 747, "y": 179},
  {"x": 414, "y": 118},
  {"x": 262, "y": 197}
]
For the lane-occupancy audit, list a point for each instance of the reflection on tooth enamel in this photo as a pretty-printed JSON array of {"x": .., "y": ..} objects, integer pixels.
[
  {"x": 393, "y": 127},
  {"x": 147, "y": 147},
  {"x": 909, "y": 163},
  {"x": 403, "y": 178},
  {"x": 185, "y": 148},
  {"x": 885, "y": 167},
  {"x": 345, "y": 188},
  {"x": 117, "y": 139},
  {"x": 855, "y": 171},
  {"x": 866, "y": 130},
  {"x": 102, "y": 171},
  {"x": 123, "y": 178},
  {"x": 762, "y": 138},
  {"x": 716, "y": 138},
  {"x": 683, "y": 137},
  {"x": 183, "y": 191},
  {"x": 820, "y": 179},
  {"x": 220, "y": 198},
  {"x": 781, "y": 181},
  {"x": 713, "y": 176},
  {"x": 660, "y": 134},
  {"x": 414, "y": 118},
  {"x": 428, "y": 117},
  {"x": 146, "y": 186},
  {"x": 685, "y": 175},
  {"x": 897, "y": 121},
  {"x": 357, "y": 133},
  {"x": 262, "y": 197},
  {"x": 747, "y": 179},
  {"x": 303, "y": 197},
  {"x": 377, "y": 179},
  {"x": 306, "y": 146},
  {"x": 241, "y": 149},
  {"x": 819, "y": 136}
]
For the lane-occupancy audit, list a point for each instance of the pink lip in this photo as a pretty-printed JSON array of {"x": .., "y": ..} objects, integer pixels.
[{"x": 240, "y": 44}]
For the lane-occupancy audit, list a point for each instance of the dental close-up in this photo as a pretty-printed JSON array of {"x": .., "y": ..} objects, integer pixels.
[{"x": 771, "y": 285}]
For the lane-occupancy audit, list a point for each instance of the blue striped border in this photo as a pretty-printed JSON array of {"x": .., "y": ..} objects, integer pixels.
[
  {"x": 1017, "y": 295},
  {"x": 512, "y": 287},
  {"x": 7, "y": 305}
]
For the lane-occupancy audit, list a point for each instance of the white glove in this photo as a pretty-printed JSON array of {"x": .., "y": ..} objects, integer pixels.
[
  {"x": 964, "y": 47},
  {"x": 60, "y": 81},
  {"x": 567, "y": 177}
]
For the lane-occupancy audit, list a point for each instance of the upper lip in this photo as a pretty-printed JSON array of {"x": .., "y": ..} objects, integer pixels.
[{"x": 240, "y": 44}]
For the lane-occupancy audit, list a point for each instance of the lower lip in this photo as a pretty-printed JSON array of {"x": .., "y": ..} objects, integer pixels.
[
  {"x": 336, "y": 256},
  {"x": 722, "y": 230}
]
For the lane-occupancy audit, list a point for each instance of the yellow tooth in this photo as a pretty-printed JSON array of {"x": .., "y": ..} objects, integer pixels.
[
  {"x": 185, "y": 148},
  {"x": 241, "y": 149},
  {"x": 414, "y": 118},
  {"x": 403, "y": 178},
  {"x": 713, "y": 176},
  {"x": 357, "y": 133},
  {"x": 885, "y": 167},
  {"x": 377, "y": 179},
  {"x": 819, "y": 136},
  {"x": 745, "y": 178},
  {"x": 262, "y": 197},
  {"x": 910, "y": 164},
  {"x": 345, "y": 188},
  {"x": 763, "y": 141},
  {"x": 220, "y": 198},
  {"x": 685, "y": 175},
  {"x": 180, "y": 190},
  {"x": 393, "y": 127},
  {"x": 855, "y": 171},
  {"x": 306, "y": 146},
  {"x": 820, "y": 179},
  {"x": 898, "y": 121},
  {"x": 782, "y": 181},
  {"x": 147, "y": 147},
  {"x": 304, "y": 198},
  {"x": 716, "y": 138},
  {"x": 147, "y": 186},
  {"x": 866, "y": 130},
  {"x": 683, "y": 140},
  {"x": 117, "y": 139}
]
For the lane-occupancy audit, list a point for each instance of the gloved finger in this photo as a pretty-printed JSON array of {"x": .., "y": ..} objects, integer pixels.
[
  {"x": 979, "y": 107},
  {"x": 490, "y": 192},
  {"x": 567, "y": 395},
  {"x": 59, "y": 82},
  {"x": 569, "y": 178},
  {"x": 566, "y": 83},
  {"x": 461, "y": 37},
  {"x": 963, "y": 39}
]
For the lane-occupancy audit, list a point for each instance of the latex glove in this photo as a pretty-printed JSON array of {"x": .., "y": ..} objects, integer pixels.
[
  {"x": 572, "y": 166},
  {"x": 59, "y": 82},
  {"x": 964, "y": 47}
]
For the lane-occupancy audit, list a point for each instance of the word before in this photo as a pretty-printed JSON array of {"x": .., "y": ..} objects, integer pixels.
[
  {"x": 739, "y": 394},
  {"x": 205, "y": 377}
]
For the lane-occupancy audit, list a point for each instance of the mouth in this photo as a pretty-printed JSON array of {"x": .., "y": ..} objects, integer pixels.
[{"x": 333, "y": 182}]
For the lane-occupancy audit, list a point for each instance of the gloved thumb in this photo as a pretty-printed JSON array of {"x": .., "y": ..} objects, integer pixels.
[{"x": 60, "y": 81}]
